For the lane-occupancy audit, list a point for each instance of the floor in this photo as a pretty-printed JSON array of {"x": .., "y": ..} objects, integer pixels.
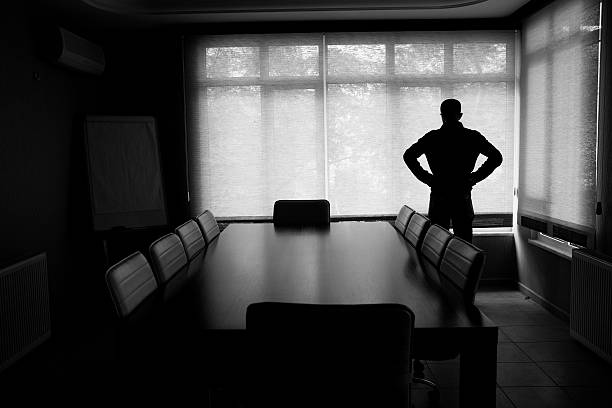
[{"x": 538, "y": 363}]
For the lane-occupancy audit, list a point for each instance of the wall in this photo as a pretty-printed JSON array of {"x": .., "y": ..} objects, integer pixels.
[
  {"x": 500, "y": 266},
  {"x": 543, "y": 275},
  {"x": 43, "y": 194},
  {"x": 144, "y": 77}
]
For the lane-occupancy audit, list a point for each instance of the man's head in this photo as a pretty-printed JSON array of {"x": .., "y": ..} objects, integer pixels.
[{"x": 450, "y": 110}]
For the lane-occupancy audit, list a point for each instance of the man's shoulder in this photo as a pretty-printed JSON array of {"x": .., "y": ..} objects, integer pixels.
[
  {"x": 431, "y": 134},
  {"x": 473, "y": 133}
]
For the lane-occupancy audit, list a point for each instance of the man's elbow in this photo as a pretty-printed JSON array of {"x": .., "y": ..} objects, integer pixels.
[
  {"x": 497, "y": 159},
  {"x": 409, "y": 157}
]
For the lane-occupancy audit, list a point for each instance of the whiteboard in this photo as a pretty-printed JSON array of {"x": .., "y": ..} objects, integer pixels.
[{"x": 125, "y": 179}]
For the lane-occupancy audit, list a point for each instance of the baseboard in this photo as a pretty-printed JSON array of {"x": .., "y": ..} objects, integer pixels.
[
  {"x": 589, "y": 344},
  {"x": 552, "y": 308}
]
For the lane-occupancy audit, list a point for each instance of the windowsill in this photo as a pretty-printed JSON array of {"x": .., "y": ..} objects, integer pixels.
[
  {"x": 484, "y": 224},
  {"x": 493, "y": 231},
  {"x": 562, "y": 251},
  {"x": 478, "y": 231}
]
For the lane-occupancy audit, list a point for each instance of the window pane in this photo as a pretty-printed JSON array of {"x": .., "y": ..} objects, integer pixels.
[
  {"x": 534, "y": 148},
  {"x": 419, "y": 59},
  {"x": 364, "y": 59},
  {"x": 479, "y": 58},
  {"x": 231, "y": 155},
  {"x": 232, "y": 62},
  {"x": 295, "y": 162},
  {"x": 418, "y": 113},
  {"x": 487, "y": 107},
  {"x": 359, "y": 150},
  {"x": 294, "y": 60},
  {"x": 574, "y": 129},
  {"x": 559, "y": 125}
]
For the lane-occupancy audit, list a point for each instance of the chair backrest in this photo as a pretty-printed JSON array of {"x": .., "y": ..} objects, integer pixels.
[
  {"x": 301, "y": 213},
  {"x": 130, "y": 282},
  {"x": 435, "y": 242},
  {"x": 191, "y": 237},
  {"x": 415, "y": 231},
  {"x": 167, "y": 256},
  {"x": 359, "y": 352},
  {"x": 208, "y": 225},
  {"x": 401, "y": 222},
  {"x": 462, "y": 266}
]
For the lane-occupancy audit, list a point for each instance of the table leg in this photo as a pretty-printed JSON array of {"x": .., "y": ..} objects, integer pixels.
[{"x": 478, "y": 368}]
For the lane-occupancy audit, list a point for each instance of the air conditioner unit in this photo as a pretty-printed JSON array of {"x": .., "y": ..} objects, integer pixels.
[{"x": 78, "y": 53}]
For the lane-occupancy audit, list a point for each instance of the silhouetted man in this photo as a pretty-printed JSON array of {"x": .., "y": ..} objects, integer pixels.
[{"x": 451, "y": 152}]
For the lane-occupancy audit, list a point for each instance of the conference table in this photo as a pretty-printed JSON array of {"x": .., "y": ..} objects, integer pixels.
[{"x": 345, "y": 263}]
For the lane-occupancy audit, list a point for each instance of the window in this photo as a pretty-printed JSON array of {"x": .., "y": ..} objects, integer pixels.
[
  {"x": 557, "y": 183},
  {"x": 329, "y": 116}
]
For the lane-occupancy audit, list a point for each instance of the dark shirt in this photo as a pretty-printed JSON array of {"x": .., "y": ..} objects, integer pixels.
[{"x": 451, "y": 152}]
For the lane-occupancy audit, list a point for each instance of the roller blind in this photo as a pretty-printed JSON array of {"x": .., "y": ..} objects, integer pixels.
[
  {"x": 558, "y": 144},
  {"x": 330, "y": 115}
]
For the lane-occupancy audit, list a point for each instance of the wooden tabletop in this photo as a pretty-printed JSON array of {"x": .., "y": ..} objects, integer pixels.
[{"x": 347, "y": 263}]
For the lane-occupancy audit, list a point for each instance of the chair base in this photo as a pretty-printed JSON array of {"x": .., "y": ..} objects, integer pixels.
[{"x": 419, "y": 378}]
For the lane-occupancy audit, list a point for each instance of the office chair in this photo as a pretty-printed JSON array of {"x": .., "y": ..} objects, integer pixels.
[
  {"x": 133, "y": 290},
  {"x": 167, "y": 256},
  {"x": 461, "y": 269},
  {"x": 459, "y": 273},
  {"x": 130, "y": 281},
  {"x": 191, "y": 238},
  {"x": 301, "y": 213},
  {"x": 415, "y": 231},
  {"x": 208, "y": 224},
  {"x": 432, "y": 249},
  {"x": 329, "y": 355},
  {"x": 403, "y": 217}
]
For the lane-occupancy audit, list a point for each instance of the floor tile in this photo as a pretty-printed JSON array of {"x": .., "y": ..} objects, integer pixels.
[
  {"x": 579, "y": 373},
  {"x": 513, "y": 305},
  {"x": 557, "y": 351},
  {"x": 447, "y": 374},
  {"x": 510, "y": 353},
  {"x": 590, "y": 397},
  {"x": 536, "y": 333},
  {"x": 521, "y": 375},
  {"x": 501, "y": 400},
  {"x": 498, "y": 296},
  {"x": 539, "y": 397},
  {"x": 502, "y": 338}
]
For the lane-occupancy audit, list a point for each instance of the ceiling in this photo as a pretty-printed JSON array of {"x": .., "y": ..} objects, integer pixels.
[{"x": 207, "y": 11}]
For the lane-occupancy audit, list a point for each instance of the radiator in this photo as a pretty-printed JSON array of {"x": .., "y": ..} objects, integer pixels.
[
  {"x": 25, "y": 320},
  {"x": 591, "y": 302}
]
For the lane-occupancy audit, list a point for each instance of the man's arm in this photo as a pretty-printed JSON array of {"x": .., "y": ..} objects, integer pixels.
[
  {"x": 494, "y": 160},
  {"x": 411, "y": 156}
]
